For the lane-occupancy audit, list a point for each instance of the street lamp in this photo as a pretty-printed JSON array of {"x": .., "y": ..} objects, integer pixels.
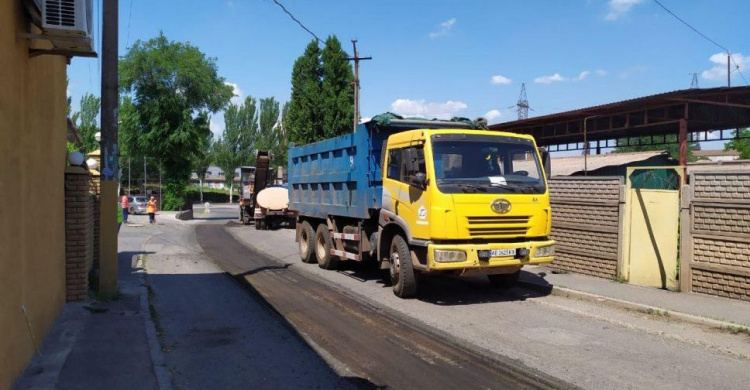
[{"x": 98, "y": 136}]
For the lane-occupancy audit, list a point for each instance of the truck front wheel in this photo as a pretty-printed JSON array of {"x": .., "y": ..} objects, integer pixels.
[
  {"x": 305, "y": 241},
  {"x": 402, "y": 272},
  {"x": 323, "y": 244}
]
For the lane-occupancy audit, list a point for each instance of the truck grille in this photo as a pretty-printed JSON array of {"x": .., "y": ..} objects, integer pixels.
[{"x": 498, "y": 226}]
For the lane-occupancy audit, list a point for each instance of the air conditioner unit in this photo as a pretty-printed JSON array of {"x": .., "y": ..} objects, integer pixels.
[{"x": 68, "y": 23}]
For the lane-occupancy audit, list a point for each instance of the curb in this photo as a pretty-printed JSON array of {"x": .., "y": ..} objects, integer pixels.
[
  {"x": 158, "y": 361},
  {"x": 633, "y": 306}
]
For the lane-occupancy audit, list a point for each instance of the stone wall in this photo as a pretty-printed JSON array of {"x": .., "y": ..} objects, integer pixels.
[
  {"x": 586, "y": 219},
  {"x": 715, "y": 252},
  {"x": 79, "y": 233}
]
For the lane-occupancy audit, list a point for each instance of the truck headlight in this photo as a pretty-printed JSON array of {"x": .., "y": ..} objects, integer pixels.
[
  {"x": 545, "y": 251},
  {"x": 444, "y": 256}
]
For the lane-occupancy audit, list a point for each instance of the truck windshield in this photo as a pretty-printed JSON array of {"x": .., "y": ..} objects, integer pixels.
[{"x": 486, "y": 163}]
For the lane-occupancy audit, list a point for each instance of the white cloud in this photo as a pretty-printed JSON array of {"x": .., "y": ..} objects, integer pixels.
[
  {"x": 420, "y": 108},
  {"x": 719, "y": 69},
  {"x": 618, "y": 8},
  {"x": 601, "y": 72},
  {"x": 583, "y": 75},
  {"x": 498, "y": 79},
  {"x": 445, "y": 27},
  {"x": 239, "y": 96},
  {"x": 216, "y": 127},
  {"x": 549, "y": 79},
  {"x": 492, "y": 115}
]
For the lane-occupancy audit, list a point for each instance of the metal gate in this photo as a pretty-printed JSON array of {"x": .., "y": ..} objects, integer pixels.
[{"x": 652, "y": 226}]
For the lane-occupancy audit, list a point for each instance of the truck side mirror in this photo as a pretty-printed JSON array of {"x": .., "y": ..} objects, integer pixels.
[
  {"x": 418, "y": 180},
  {"x": 546, "y": 162}
]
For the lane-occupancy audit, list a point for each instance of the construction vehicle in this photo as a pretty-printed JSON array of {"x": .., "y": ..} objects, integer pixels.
[
  {"x": 422, "y": 197},
  {"x": 272, "y": 208},
  {"x": 247, "y": 191}
]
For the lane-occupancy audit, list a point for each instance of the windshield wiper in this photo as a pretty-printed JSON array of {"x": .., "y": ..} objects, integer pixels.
[
  {"x": 504, "y": 186},
  {"x": 475, "y": 188}
]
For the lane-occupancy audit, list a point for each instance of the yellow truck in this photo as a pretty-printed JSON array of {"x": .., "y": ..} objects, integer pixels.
[{"x": 423, "y": 197}]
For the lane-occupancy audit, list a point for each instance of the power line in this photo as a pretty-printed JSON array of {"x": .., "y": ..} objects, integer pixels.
[
  {"x": 296, "y": 20},
  {"x": 691, "y": 27},
  {"x": 737, "y": 67}
]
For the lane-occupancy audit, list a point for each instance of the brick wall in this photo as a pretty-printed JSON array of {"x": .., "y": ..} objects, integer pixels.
[
  {"x": 717, "y": 248},
  {"x": 79, "y": 249},
  {"x": 94, "y": 191},
  {"x": 586, "y": 217}
]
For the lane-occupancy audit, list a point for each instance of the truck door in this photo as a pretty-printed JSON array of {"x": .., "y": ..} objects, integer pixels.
[{"x": 405, "y": 183}]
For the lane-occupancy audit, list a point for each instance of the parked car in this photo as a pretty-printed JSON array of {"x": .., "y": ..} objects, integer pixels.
[{"x": 137, "y": 204}]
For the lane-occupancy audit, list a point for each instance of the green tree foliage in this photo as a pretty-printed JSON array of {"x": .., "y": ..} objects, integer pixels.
[
  {"x": 235, "y": 147},
  {"x": 268, "y": 138},
  {"x": 337, "y": 91},
  {"x": 85, "y": 121},
  {"x": 741, "y": 145},
  {"x": 671, "y": 146},
  {"x": 282, "y": 148},
  {"x": 174, "y": 87},
  {"x": 305, "y": 116}
]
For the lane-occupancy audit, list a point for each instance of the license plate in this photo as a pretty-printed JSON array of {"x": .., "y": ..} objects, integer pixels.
[{"x": 502, "y": 252}]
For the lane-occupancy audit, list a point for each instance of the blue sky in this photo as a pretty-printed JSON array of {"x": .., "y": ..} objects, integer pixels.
[{"x": 463, "y": 58}]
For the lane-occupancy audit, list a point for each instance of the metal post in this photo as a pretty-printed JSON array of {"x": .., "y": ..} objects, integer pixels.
[
  {"x": 586, "y": 145},
  {"x": 682, "y": 139},
  {"x": 145, "y": 176},
  {"x": 129, "y": 175},
  {"x": 109, "y": 172},
  {"x": 160, "y": 165}
]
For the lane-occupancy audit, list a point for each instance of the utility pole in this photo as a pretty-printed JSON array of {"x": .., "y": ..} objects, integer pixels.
[
  {"x": 145, "y": 177},
  {"x": 356, "y": 60},
  {"x": 129, "y": 175},
  {"x": 109, "y": 172},
  {"x": 523, "y": 103}
]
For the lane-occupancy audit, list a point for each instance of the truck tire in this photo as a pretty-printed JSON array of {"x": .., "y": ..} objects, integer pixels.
[
  {"x": 323, "y": 245},
  {"x": 257, "y": 225},
  {"x": 305, "y": 241},
  {"x": 402, "y": 272},
  {"x": 504, "y": 280}
]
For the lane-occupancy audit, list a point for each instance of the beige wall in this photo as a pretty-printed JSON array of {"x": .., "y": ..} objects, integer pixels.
[{"x": 32, "y": 153}]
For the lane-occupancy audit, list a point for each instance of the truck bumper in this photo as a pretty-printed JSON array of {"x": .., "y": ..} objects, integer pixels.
[{"x": 473, "y": 261}]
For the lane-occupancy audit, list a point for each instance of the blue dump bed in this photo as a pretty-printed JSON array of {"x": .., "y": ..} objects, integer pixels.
[{"x": 339, "y": 176}]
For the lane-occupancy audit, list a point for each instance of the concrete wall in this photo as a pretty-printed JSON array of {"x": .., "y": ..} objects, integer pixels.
[
  {"x": 715, "y": 251},
  {"x": 586, "y": 224},
  {"x": 32, "y": 234}
]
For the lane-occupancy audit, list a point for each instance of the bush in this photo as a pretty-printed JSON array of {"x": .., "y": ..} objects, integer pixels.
[{"x": 211, "y": 195}]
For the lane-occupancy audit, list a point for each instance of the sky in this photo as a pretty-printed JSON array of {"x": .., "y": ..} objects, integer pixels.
[{"x": 445, "y": 58}]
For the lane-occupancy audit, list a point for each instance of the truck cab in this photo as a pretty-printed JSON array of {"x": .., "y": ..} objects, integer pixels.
[{"x": 466, "y": 201}]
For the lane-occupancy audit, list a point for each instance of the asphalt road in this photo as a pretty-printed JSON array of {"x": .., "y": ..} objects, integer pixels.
[
  {"x": 386, "y": 350},
  {"x": 582, "y": 343}
]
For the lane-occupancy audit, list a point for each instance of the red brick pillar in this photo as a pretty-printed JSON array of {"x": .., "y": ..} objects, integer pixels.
[
  {"x": 79, "y": 233},
  {"x": 94, "y": 191}
]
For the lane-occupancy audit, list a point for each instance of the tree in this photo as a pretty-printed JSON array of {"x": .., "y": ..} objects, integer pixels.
[
  {"x": 282, "y": 149},
  {"x": 235, "y": 146},
  {"x": 337, "y": 91},
  {"x": 305, "y": 114},
  {"x": 269, "y": 116},
  {"x": 741, "y": 145},
  {"x": 85, "y": 121},
  {"x": 671, "y": 146},
  {"x": 174, "y": 86}
]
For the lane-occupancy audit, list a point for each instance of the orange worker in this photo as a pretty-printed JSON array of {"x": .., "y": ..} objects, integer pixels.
[
  {"x": 151, "y": 209},
  {"x": 125, "y": 205}
]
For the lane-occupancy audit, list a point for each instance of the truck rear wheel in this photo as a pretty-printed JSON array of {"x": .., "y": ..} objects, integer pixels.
[
  {"x": 305, "y": 241},
  {"x": 323, "y": 244},
  {"x": 402, "y": 272},
  {"x": 504, "y": 280}
]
